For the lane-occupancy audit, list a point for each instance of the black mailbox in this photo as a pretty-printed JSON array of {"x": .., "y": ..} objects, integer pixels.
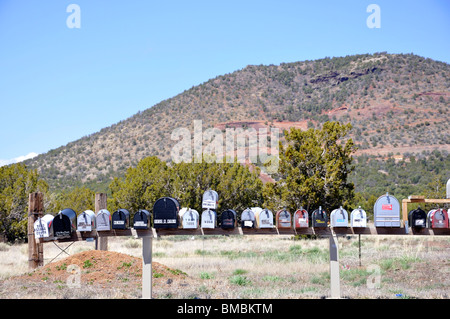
[
  {"x": 228, "y": 219},
  {"x": 417, "y": 218},
  {"x": 165, "y": 213},
  {"x": 319, "y": 218},
  {"x": 141, "y": 220},
  {"x": 65, "y": 223},
  {"x": 121, "y": 219}
]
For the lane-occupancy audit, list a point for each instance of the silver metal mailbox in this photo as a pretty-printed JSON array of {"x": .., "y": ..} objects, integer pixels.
[
  {"x": 264, "y": 218},
  {"x": 448, "y": 188},
  {"x": 339, "y": 217},
  {"x": 358, "y": 217},
  {"x": 86, "y": 221},
  {"x": 209, "y": 219},
  {"x": 103, "y": 220},
  {"x": 210, "y": 199},
  {"x": 189, "y": 218},
  {"x": 386, "y": 211},
  {"x": 248, "y": 219}
]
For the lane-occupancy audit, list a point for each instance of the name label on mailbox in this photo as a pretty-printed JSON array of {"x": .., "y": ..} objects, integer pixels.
[
  {"x": 165, "y": 221},
  {"x": 40, "y": 229}
]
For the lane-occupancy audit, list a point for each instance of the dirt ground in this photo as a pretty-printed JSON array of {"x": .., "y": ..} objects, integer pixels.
[
  {"x": 186, "y": 267},
  {"x": 91, "y": 274}
]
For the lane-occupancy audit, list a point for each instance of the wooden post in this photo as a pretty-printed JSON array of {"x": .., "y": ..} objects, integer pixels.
[
  {"x": 405, "y": 209},
  {"x": 147, "y": 267},
  {"x": 334, "y": 268},
  {"x": 101, "y": 203},
  {"x": 35, "y": 249}
]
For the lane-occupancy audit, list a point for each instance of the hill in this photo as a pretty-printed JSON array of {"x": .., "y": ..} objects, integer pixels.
[{"x": 397, "y": 103}]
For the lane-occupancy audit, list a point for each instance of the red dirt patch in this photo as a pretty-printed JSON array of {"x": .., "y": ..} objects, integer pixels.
[
  {"x": 102, "y": 267},
  {"x": 103, "y": 271}
]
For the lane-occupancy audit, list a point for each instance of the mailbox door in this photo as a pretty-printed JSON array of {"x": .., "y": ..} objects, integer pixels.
[
  {"x": 64, "y": 223},
  {"x": 103, "y": 220},
  {"x": 210, "y": 199},
  {"x": 417, "y": 218},
  {"x": 339, "y": 218},
  {"x": 121, "y": 219},
  {"x": 61, "y": 226},
  {"x": 301, "y": 218},
  {"x": 248, "y": 219},
  {"x": 228, "y": 219},
  {"x": 439, "y": 219},
  {"x": 283, "y": 219},
  {"x": 141, "y": 219},
  {"x": 165, "y": 213},
  {"x": 265, "y": 218},
  {"x": 86, "y": 221},
  {"x": 358, "y": 218},
  {"x": 208, "y": 219},
  {"x": 387, "y": 211},
  {"x": 319, "y": 218},
  {"x": 190, "y": 219},
  {"x": 43, "y": 227}
]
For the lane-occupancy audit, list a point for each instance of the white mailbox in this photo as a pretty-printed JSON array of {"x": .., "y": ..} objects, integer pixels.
[
  {"x": 209, "y": 219},
  {"x": 358, "y": 217},
  {"x": 264, "y": 218},
  {"x": 339, "y": 217},
  {"x": 210, "y": 199},
  {"x": 86, "y": 221},
  {"x": 43, "y": 226},
  {"x": 248, "y": 219},
  {"x": 103, "y": 220},
  {"x": 189, "y": 218}
]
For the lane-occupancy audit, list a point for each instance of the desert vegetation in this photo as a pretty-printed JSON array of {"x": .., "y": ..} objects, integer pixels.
[
  {"x": 395, "y": 103},
  {"x": 237, "y": 267}
]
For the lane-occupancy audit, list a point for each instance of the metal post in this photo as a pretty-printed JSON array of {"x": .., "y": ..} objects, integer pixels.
[
  {"x": 334, "y": 268},
  {"x": 359, "y": 235},
  {"x": 146, "y": 267}
]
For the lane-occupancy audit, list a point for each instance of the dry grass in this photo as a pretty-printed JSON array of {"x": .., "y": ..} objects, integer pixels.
[{"x": 259, "y": 267}]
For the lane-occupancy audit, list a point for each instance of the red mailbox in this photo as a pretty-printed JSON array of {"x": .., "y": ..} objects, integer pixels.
[
  {"x": 438, "y": 218},
  {"x": 301, "y": 219}
]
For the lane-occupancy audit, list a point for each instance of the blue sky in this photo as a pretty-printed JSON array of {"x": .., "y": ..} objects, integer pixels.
[{"x": 58, "y": 84}]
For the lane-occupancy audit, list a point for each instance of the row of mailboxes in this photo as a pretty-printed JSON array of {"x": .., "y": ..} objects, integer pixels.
[
  {"x": 436, "y": 218},
  {"x": 66, "y": 222},
  {"x": 167, "y": 214},
  {"x": 62, "y": 225}
]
